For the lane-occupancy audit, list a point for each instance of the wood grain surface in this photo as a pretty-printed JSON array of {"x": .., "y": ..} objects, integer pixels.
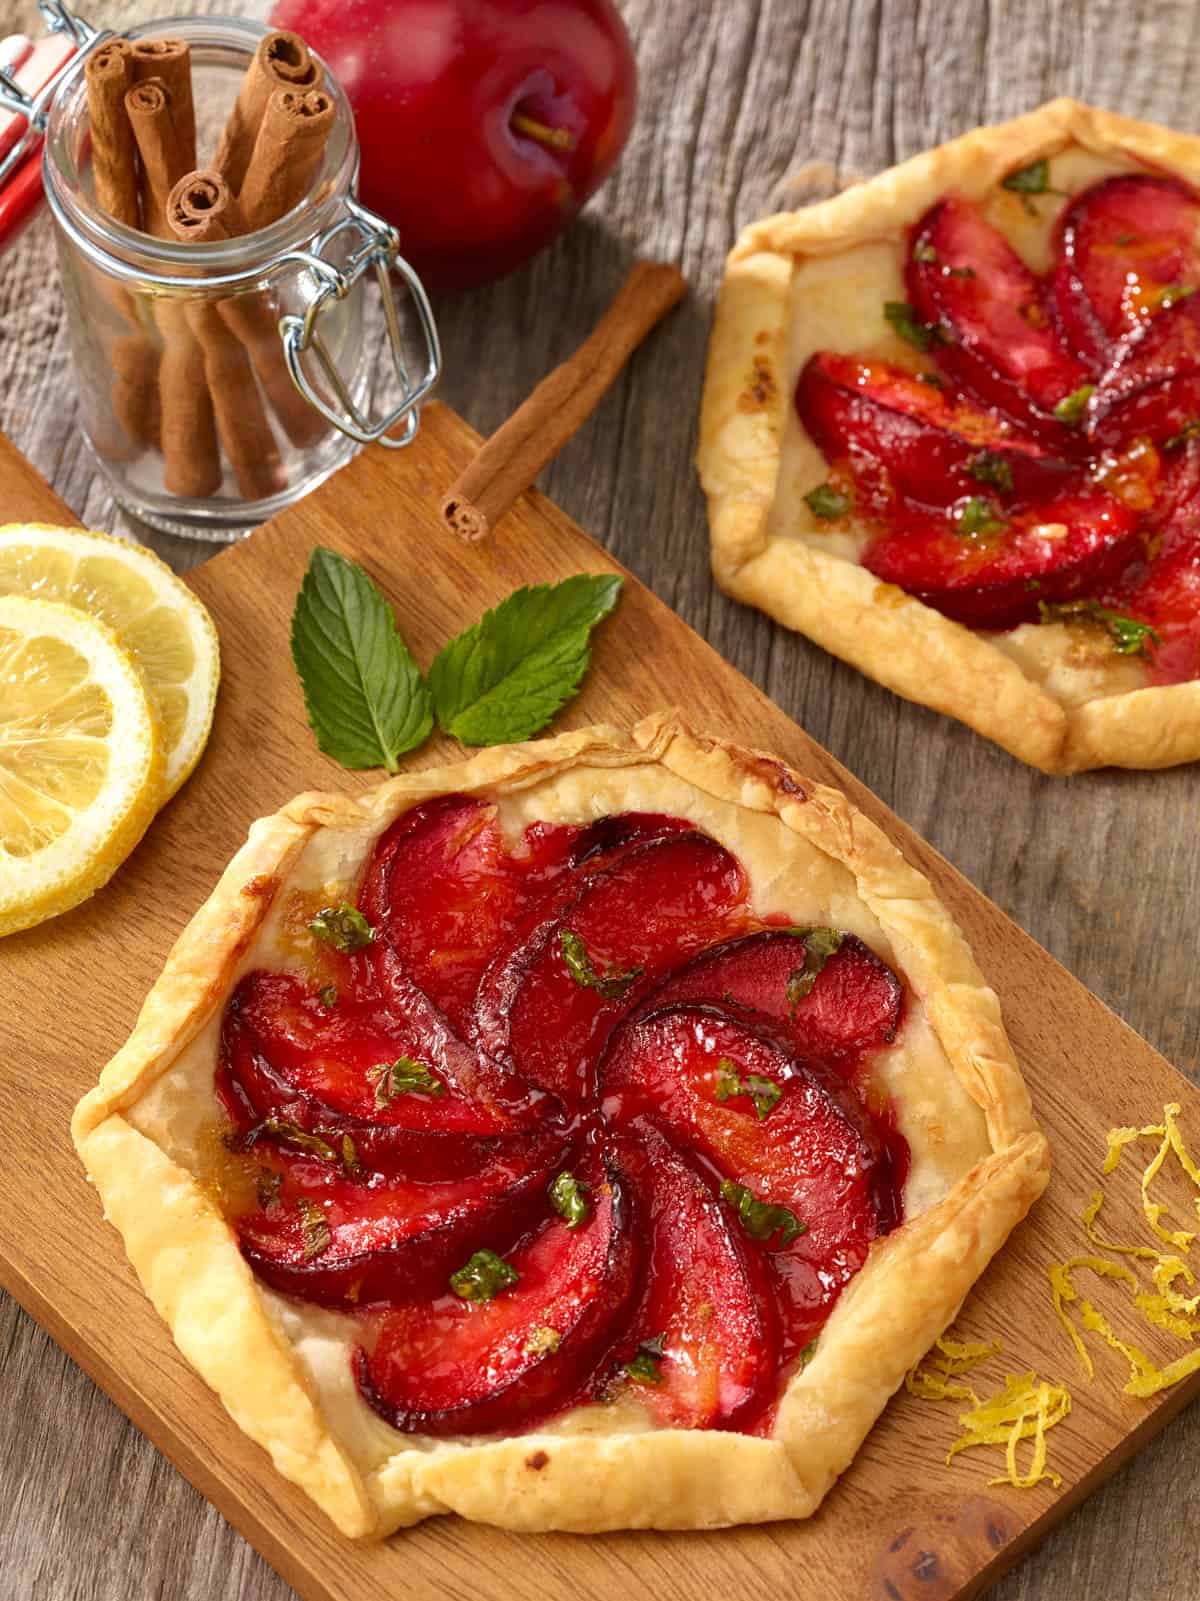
[
  {"x": 901, "y": 1525},
  {"x": 1104, "y": 870}
]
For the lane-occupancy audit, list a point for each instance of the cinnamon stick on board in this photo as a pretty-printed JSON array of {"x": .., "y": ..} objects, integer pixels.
[
  {"x": 287, "y": 154},
  {"x": 202, "y": 208},
  {"x": 507, "y": 464},
  {"x": 242, "y": 424},
  {"x": 281, "y": 61},
  {"x": 188, "y": 438},
  {"x": 134, "y": 358}
]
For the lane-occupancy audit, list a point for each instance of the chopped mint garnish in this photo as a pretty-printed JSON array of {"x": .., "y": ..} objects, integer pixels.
[
  {"x": 989, "y": 467},
  {"x": 344, "y": 927},
  {"x": 827, "y": 503},
  {"x": 819, "y": 945},
  {"x": 404, "y": 1076},
  {"x": 611, "y": 986},
  {"x": 483, "y": 1277},
  {"x": 759, "y": 1218},
  {"x": 1071, "y": 408},
  {"x": 763, "y": 1092},
  {"x": 1129, "y": 636},
  {"x": 646, "y": 1365},
  {"x": 569, "y": 1198}
]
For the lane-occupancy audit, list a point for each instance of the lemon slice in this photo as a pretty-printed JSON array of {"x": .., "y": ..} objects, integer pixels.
[
  {"x": 81, "y": 764},
  {"x": 160, "y": 622}
]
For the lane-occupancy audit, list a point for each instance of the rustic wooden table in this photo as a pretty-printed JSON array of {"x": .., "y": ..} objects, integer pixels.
[{"x": 736, "y": 99}]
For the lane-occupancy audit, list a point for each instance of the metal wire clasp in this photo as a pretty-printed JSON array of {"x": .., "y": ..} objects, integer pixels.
[
  {"x": 379, "y": 249},
  {"x": 34, "y": 107}
]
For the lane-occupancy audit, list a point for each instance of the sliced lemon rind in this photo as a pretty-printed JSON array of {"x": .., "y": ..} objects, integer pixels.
[
  {"x": 201, "y": 688},
  {"x": 99, "y": 838}
]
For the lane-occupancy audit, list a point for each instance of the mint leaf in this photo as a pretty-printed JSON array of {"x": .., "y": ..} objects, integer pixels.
[
  {"x": 506, "y": 677},
  {"x": 366, "y": 700}
]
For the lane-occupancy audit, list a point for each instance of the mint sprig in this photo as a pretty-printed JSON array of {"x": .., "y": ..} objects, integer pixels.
[
  {"x": 367, "y": 703},
  {"x": 499, "y": 681},
  {"x": 506, "y": 677}
]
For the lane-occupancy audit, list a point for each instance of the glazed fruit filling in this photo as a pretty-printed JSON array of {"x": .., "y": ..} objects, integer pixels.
[
  {"x": 1046, "y": 465},
  {"x": 562, "y": 1122}
]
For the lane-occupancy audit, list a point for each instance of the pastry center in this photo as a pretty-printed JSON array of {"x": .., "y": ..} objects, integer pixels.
[
  {"x": 560, "y": 1121},
  {"x": 1046, "y": 464}
]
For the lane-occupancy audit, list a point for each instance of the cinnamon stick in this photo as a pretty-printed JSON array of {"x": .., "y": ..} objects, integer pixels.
[
  {"x": 203, "y": 208},
  {"x": 169, "y": 61},
  {"x": 188, "y": 437},
  {"x": 281, "y": 61},
  {"x": 134, "y": 391},
  {"x": 507, "y": 464},
  {"x": 242, "y": 425},
  {"x": 161, "y": 136},
  {"x": 287, "y": 154},
  {"x": 109, "y": 75}
]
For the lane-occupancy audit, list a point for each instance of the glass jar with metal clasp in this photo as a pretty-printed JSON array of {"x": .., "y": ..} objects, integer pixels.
[{"x": 293, "y": 290}]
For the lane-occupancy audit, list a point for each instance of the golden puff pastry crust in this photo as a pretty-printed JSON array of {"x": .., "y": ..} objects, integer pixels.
[
  {"x": 282, "y": 1369},
  {"x": 817, "y": 278}
]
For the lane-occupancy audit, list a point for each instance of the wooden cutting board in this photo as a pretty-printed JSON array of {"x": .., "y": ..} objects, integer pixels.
[{"x": 900, "y": 1525}]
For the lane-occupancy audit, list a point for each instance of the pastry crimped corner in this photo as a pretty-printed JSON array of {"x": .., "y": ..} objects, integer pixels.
[
  {"x": 944, "y": 438},
  {"x": 487, "y": 1060}
]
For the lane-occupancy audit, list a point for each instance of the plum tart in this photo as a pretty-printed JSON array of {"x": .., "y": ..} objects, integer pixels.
[
  {"x": 585, "y": 1136},
  {"x": 951, "y": 432}
]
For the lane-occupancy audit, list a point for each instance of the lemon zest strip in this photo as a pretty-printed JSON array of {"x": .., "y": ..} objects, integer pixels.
[
  {"x": 1063, "y": 1292},
  {"x": 1023, "y": 1410},
  {"x": 1090, "y": 1213}
]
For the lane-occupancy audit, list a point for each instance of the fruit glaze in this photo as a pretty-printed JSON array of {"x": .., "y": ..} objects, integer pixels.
[
  {"x": 1047, "y": 467},
  {"x": 563, "y": 1122}
]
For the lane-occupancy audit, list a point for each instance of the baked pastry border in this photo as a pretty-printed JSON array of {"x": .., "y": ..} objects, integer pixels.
[
  {"x": 877, "y": 627},
  {"x": 187, "y": 1259}
]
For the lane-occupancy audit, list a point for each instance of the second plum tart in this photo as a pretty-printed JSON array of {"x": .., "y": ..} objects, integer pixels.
[{"x": 951, "y": 432}]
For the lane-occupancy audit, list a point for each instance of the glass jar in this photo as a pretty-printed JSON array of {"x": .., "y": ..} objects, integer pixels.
[{"x": 288, "y": 291}]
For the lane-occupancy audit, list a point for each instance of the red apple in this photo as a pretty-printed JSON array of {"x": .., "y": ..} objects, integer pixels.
[{"x": 484, "y": 124}]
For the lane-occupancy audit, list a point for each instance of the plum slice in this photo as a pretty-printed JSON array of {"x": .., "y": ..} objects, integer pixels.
[
  {"x": 852, "y": 1005},
  {"x": 933, "y": 446},
  {"x": 548, "y": 1002},
  {"x": 1166, "y": 592},
  {"x": 1152, "y": 388},
  {"x": 328, "y": 1238},
  {"x": 599, "y": 840},
  {"x": 707, "y": 1330},
  {"x": 443, "y": 890},
  {"x": 287, "y": 1060},
  {"x": 707, "y": 1079},
  {"x": 1126, "y": 246},
  {"x": 692, "y": 1069},
  {"x": 459, "y": 1367},
  {"x": 994, "y": 336},
  {"x": 1061, "y": 549}
]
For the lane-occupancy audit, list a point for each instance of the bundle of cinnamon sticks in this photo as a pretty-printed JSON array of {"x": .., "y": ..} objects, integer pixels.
[{"x": 196, "y": 377}]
